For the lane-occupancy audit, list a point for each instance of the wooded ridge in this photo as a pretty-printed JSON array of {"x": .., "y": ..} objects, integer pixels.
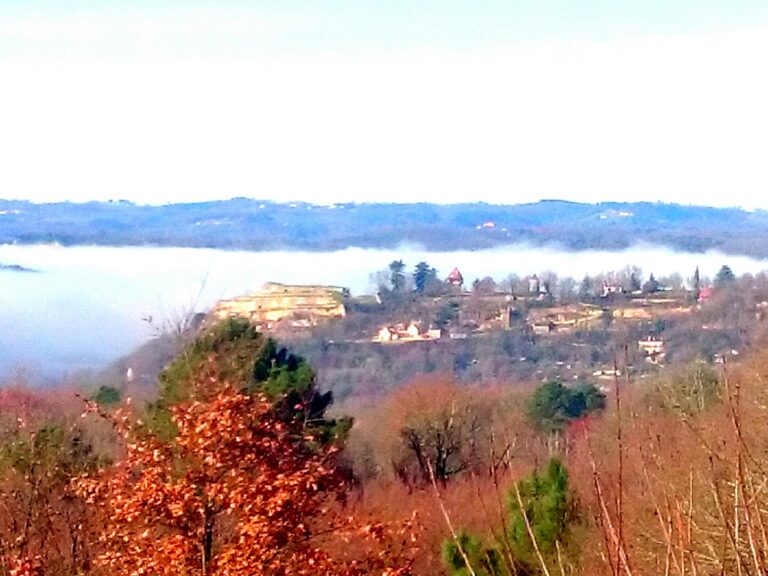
[{"x": 249, "y": 224}]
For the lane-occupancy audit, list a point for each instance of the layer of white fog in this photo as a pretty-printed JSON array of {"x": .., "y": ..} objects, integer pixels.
[{"x": 88, "y": 306}]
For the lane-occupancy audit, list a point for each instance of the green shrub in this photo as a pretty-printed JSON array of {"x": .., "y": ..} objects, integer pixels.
[
  {"x": 553, "y": 405},
  {"x": 106, "y": 396}
]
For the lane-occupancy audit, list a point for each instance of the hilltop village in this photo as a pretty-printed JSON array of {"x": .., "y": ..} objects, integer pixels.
[
  {"x": 294, "y": 310},
  {"x": 539, "y": 326}
]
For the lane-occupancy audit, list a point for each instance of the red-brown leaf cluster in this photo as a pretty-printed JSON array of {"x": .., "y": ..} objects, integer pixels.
[{"x": 237, "y": 492}]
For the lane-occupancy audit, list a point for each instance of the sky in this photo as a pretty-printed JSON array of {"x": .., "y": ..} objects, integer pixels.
[{"x": 400, "y": 101}]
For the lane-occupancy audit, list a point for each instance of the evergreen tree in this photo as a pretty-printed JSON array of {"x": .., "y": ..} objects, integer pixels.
[
  {"x": 695, "y": 283},
  {"x": 546, "y": 504},
  {"x": 585, "y": 289},
  {"x": 553, "y": 405},
  {"x": 724, "y": 277},
  {"x": 397, "y": 276},
  {"x": 236, "y": 353},
  {"x": 423, "y": 276}
]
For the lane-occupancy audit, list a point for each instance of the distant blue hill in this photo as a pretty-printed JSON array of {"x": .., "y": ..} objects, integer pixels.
[
  {"x": 14, "y": 268},
  {"x": 248, "y": 224}
]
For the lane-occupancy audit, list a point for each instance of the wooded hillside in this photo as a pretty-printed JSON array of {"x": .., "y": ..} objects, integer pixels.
[{"x": 248, "y": 224}]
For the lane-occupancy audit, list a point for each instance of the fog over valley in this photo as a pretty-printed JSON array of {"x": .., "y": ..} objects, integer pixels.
[{"x": 88, "y": 306}]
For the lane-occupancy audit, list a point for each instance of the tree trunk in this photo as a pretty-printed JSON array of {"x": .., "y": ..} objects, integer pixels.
[{"x": 208, "y": 524}]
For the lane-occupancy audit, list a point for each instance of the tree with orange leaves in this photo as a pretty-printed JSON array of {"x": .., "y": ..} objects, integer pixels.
[{"x": 239, "y": 490}]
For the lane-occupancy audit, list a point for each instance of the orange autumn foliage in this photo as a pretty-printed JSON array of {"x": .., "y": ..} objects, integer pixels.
[{"x": 238, "y": 492}]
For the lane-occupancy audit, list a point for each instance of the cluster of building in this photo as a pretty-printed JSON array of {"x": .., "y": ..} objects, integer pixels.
[{"x": 410, "y": 333}]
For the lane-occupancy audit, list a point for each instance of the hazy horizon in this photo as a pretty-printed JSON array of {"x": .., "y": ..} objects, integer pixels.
[{"x": 404, "y": 202}]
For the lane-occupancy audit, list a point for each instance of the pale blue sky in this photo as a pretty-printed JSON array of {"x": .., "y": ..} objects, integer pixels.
[{"x": 441, "y": 101}]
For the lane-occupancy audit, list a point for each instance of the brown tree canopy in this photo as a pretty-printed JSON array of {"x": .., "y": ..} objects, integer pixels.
[{"x": 238, "y": 492}]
